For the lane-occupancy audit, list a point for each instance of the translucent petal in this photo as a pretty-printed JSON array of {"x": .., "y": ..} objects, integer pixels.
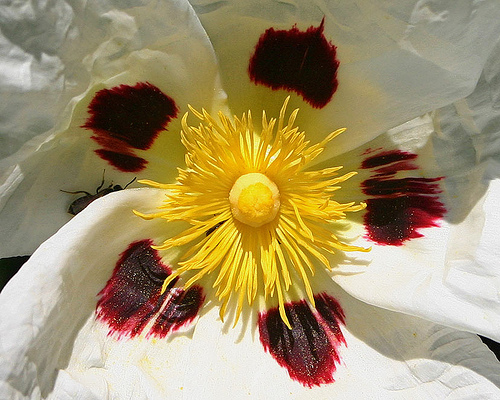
[
  {"x": 397, "y": 59},
  {"x": 449, "y": 275},
  {"x": 52, "y": 346},
  {"x": 125, "y": 46}
]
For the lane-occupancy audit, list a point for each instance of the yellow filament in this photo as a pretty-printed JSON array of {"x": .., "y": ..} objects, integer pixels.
[{"x": 260, "y": 222}]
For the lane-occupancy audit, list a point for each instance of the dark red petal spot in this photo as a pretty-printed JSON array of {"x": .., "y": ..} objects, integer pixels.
[
  {"x": 399, "y": 166},
  {"x": 181, "y": 308},
  {"x": 132, "y": 296},
  {"x": 132, "y": 114},
  {"x": 386, "y": 158},
  {"x": 399, "y": 208},
  {"x": 300, "y": 61},
  {"x": 310, "y": 350},
  {"x": 381, "y": 186},
  {"x": 125, "y": 117},
  {"x": 124, "y": 162}
]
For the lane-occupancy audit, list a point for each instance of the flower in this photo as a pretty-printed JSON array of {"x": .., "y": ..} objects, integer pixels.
[{"x": 105, "y": 308}]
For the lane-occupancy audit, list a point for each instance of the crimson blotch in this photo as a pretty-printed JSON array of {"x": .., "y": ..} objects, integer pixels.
[
  {"x": 125, "y": 118},
  {"x": 132, "y": 296},
  {"x": 398, "y": 208},
  {"x": 309, "y": 351},
  {"x": 300, "y": 61}
]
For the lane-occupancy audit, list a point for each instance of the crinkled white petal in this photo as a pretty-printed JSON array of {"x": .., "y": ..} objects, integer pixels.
[
  {"x": 388, "y": 355},
  {"x": 67, "y": 288},
  {"x": 397, "y": 59},
  {"x": 160, "y": 43},
  {"x": 51, "y": 52},
  {"x": 51, "y": 346},
  {"x": 37, "y": 68},
  {"x": 450, "y": 275}
]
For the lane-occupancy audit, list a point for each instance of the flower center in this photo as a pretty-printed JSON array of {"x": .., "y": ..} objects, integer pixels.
[
  {"x": 260, "y": 241},
  {"x": 255, "y": 199}
]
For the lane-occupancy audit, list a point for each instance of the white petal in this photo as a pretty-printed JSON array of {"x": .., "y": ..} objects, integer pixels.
[
  {"x": 52, "y": 346},
  {"x": 51, "y": 51},
  {"x": 34, "y": 67},
  {"x": 397, "y": 60},
  {"x": 387, "y": 356},
  {"x": 449, "y": 276},
  {"x": 151, "y": 43},
  {"x": 69, "y": 287}
]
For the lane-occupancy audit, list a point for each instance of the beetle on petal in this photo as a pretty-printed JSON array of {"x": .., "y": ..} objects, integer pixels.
[{"x": 82, "y": 202}]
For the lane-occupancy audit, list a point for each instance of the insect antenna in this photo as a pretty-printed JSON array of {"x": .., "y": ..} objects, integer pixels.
[{"x": 132, "y": 181}]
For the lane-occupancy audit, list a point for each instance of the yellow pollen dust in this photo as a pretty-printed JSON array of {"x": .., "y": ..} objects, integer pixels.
[
  {"x": 259, "y": 219},
  {"x": 254, "y": 199}
]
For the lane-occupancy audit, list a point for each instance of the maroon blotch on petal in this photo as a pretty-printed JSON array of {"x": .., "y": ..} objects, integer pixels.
[
  {"x": 399, "y": 208},
  {"x": 126, "y": 117},
  {"x": 181, "y": 308},
  {"x": 132, "y": 114},
  {"x": 300, "y": 61},
  {"x": 131, "y": 296},
  {"x": 123, "y": 161},
  {"x": 382, "y": 186},
  {"x": 398, "y": 166},
  {"x": 393, "y": 221},
  {"x": 309, "y": 351},
  {"x": 387, "y": 157},
  {"x": 332, "y": 314}
]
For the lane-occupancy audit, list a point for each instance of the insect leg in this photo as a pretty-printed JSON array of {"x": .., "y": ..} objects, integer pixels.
[
  {"x": 102, "y": 182},
  {"x": 77, "y": 192}
]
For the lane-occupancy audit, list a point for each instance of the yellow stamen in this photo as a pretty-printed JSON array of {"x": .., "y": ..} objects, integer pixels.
[{"x": 259, "y": 221}]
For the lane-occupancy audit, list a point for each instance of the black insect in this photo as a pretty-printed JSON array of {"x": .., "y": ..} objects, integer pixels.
[{"x": 82, "y": 202}]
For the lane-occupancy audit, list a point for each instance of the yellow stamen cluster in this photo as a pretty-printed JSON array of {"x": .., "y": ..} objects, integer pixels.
[{"x": 257, "y": 217}]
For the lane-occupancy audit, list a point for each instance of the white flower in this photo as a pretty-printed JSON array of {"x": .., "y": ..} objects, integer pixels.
[{"x": 86, "y": 317}]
